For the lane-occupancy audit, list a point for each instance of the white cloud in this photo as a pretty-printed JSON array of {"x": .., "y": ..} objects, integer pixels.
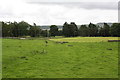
[
  {"x": 72, "y": 1},
  {"x": 47, "y": 14}
]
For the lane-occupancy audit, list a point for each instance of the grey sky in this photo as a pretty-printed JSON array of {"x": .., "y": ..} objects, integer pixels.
[
  {"x": 48, "y": 12},
  {"x": 85, "y": 5}
]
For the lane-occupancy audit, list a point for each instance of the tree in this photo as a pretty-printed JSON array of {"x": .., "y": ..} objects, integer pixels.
[
  {"x": 34, "y": 31},
  {"x": 70, "y": 30},
  {"x": 53, "y": 30},
  {"x": 83, "y": 30},
  {"x": 60, "y": 33},
  {"x": 75, "y": 29},
  {"x": 115, "y": 29},
  {"x": 23, "y": 28},
  {"x": 93, "y": 29},
  {"x": 44, "y": 33},
  {"x": 7, "y": 29},
  {"x": 101, "y": 31},
  {"x": 20, "y": 29},
  {"x": 65, "y": 29},
  {"x": 105, "y": 31},
  {"x": 15, "y": 30}
]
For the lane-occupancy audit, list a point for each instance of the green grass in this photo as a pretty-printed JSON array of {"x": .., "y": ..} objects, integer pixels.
[
  {"x": 86, "y": 39},
  {"x": 33, "y": 59}
]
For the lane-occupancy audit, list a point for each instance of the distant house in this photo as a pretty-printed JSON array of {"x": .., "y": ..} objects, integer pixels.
[
  {"x": 102, "y": 24},
  {"x": 47, "y": 27}
]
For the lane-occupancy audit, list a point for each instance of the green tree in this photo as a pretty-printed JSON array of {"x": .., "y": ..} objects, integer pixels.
[
  {"x": 115, "y": 29},
  {"x": 20, "y": 29},
  {"x": 70, "y": 30},
  {"x": 23, "y": 28},
  {"x": 65, "y": 29},
  {"x": 83, "y": 30},
  {"x": 74, "y": 29},
  {"x": 44, "y": 33},
  {"x": 93, "y": 29},
  {"x": 105, "y": 31},
  {"x": 7, "y": 29},
  {"x": 101, "y": 31},
  {"x": 34, "y": 31},
  {"x": 53, "y": 30},
  {"x": 60, "y": 33},
  {"x": 15, "y": 30}
]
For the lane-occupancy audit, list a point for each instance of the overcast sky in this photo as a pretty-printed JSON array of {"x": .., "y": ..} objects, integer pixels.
[{"x": 48, "y": 12}]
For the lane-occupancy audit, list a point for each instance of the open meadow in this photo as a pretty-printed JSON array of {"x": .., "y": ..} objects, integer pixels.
[{"x": 79, "y": 57}]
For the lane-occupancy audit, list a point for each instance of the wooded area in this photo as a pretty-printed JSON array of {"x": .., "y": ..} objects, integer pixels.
[{"x": 19, "y": 29}]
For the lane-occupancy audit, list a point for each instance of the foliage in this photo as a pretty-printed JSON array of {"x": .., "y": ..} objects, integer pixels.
[
  {"x": 60, "y": 33},
  {"x": 34, "y": 31},
  {"x": 83, "y": 30},
  {"x": 70, "y": 30},
  {"x": 53, "y": 30},
  {"x": 93, "y": 30},
  {"x": 115, "y": 29},
  {"x": 19, "y": 29},
  {"x": 7, "y": 29},
  {"x": 105, "y": 30},
  {"x": 44, "y": 33}
]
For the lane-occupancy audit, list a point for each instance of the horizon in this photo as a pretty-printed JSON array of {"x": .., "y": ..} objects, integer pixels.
[{"x": 60, "y": 24}]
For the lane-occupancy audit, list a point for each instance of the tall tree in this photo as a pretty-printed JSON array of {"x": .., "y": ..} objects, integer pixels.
[
  {"x": 53, "y": 30},
  {"x": 74, "y": 29},
  {"x": 93, "y": 29},
  {"x": 15, "y": 30},
  {"x": 115, "y": 29},
  {"x": 70, "y": 30},
  {"x": 34, "y": 31},
  {"x": 7, "y": 29},
  {"x": 60, "y": 33},
  {"x": 65, "y": 29},
  {"x": 23, "y": 28},
  {"x": 83, "y": 30},
  {"x": 20, "y": 29},
  {"x": 44, "y": 33},
  {"x": 105, "y": 30}
]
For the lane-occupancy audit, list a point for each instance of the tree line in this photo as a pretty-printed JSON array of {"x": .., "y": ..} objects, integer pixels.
[{"x": 20, "y": 29}]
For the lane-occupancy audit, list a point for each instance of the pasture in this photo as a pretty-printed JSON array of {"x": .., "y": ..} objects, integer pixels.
[
  {"x": 81, "y": 57},
  {"x": 86, "y": 39}
]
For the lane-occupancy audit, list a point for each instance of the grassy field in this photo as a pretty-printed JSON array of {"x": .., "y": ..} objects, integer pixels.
[
  {"x": 82, "y": 57},
  {"x": 86, "y": 39}
]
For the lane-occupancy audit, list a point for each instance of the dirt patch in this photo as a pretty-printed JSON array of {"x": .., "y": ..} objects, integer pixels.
[
  {"x": 113, "y": 40},
  {"x": 62, "y": 42}
]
